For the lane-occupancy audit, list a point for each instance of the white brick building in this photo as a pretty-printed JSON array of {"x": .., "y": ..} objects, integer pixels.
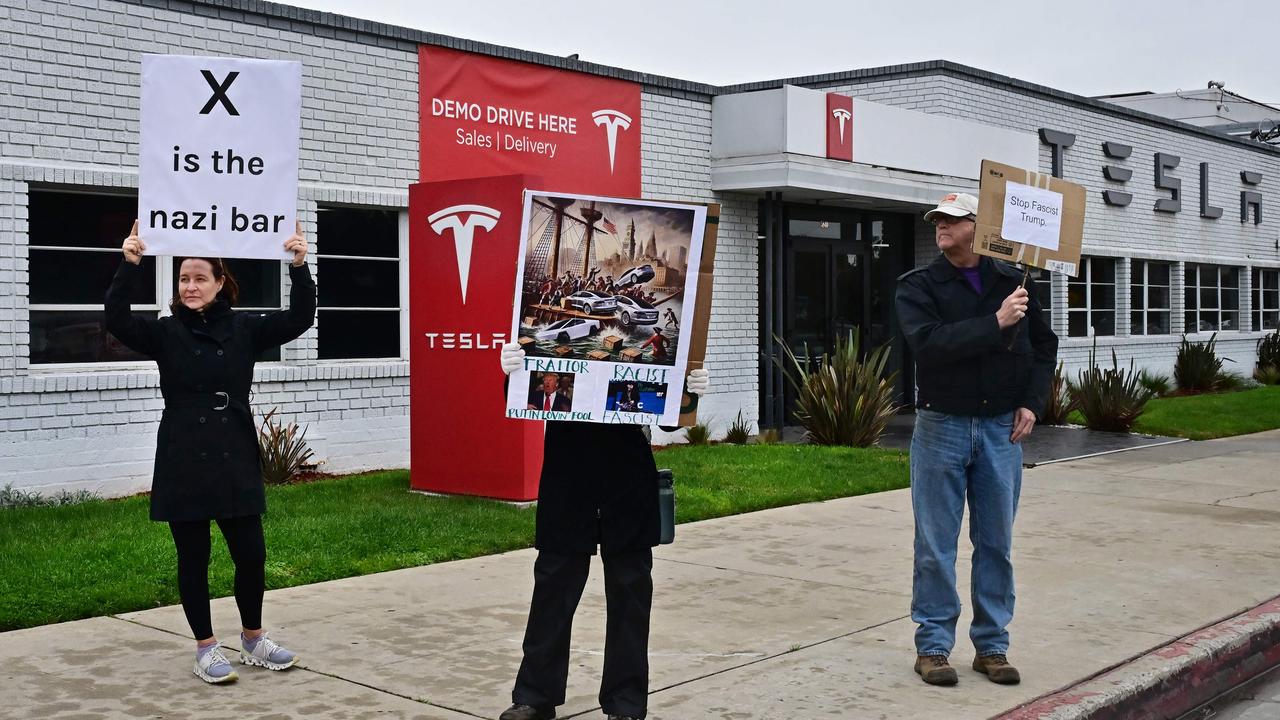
[{"x": 808, "y": 245}]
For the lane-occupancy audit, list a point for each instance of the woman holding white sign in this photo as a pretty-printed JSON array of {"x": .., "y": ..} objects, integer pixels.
[{"x": 207, "y": 465}]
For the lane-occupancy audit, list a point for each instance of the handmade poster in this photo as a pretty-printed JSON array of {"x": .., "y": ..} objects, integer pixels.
[
  {"x": 605, "y": 303},
  {"x": 218, "y": 160},
  {"x": 1030, "y": 218}
]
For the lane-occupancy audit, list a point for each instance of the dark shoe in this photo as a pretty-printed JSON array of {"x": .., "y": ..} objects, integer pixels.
[
  {"x": 527, "y": 712},
  {"x": 997, "y": 669},
  {"x": 935, "y": 670}
]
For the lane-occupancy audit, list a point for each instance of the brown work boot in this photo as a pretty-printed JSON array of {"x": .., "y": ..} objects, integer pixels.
[
  {"x": 997, "y": 669},
  {"x": 935, "y": 670}
]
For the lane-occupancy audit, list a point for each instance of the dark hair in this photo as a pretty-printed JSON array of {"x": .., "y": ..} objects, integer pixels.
[{"x": 230, "y": 292}]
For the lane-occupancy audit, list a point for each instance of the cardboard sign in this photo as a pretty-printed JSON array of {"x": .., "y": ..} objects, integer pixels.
[
  {"x": 482, "y": 116},
  {"x": 218, "y": 159},
  {"x": 1030, "y": 218},
  {"x": 605, "y": 305}
]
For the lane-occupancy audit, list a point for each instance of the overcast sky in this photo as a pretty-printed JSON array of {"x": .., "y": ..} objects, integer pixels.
[{"x": 1089, "y": 47}]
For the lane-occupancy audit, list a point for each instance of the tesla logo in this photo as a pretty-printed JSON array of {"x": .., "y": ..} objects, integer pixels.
[
  {"x": 841, "y": 115},
  {"x": 612, "y": 120},
  {"x": 463, "y": 221}
]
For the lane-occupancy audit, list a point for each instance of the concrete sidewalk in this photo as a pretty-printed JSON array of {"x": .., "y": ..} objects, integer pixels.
[{"x": 798, "y": 612}]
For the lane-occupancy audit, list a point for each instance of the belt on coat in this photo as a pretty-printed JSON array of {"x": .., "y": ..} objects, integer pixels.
[{"x": 217, "y": 400}]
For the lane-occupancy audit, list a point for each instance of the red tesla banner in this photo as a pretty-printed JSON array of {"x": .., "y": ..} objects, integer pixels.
[
  {"x": 464, "y": 238},
  {"x": 481, "y": 116},
  {"x": 839, "y": 127}
]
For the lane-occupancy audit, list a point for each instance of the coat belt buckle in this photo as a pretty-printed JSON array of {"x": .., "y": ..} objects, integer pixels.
[{"x": 226, "y": 401}]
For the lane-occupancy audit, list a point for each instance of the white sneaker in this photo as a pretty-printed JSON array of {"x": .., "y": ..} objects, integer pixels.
[
  {"x": 266, "y": 653},
  {"x": 214, "y": 667}
]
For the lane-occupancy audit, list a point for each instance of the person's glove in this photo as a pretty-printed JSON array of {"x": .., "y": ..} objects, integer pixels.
[
  {"x": 698, "y": 382},
  {"x": 512, "y": 358}
]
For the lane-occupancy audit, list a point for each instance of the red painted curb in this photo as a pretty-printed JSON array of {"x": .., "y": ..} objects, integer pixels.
[{"x": 1171, "y": 680}]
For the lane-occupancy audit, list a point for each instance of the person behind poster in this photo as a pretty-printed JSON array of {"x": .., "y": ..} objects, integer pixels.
[
  {"x": 207, "y": 464},
  {"x": 984, "y": 359},
  {"x": 598, "y": 489}
]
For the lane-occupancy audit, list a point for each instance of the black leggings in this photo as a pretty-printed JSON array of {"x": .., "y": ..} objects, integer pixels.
[{"x": 248, "y": 552}]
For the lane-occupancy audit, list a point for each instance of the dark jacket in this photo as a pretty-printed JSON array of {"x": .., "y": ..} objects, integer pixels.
[
  {"x": 964, "y": 365},
  {"x": 207, "y": 464},
  {"x": 599, "y": 486}
]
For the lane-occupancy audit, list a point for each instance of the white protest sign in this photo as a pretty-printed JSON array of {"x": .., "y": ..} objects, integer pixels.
[
  {"x": 1032, "y": 216},
  {"x": 218, "y": 163}
]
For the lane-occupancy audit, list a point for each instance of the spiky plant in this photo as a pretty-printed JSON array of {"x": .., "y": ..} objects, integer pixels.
[
  {"x": 739, "y": 432},
  {"x": 1198, "y": 366},
  {"x": 283, "y": 449},
  {"x": 1059, "y": 405},
  {"x": 1109, "y": 399},
  {"x": 843, "y": 398},
  {"x": 699, "y": 434}
]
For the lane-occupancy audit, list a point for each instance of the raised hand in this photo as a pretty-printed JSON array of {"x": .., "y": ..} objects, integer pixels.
[
  {"x": 133, "y": 247},
  {"x": 1013, "y": 308},
  {"x": 297, "y": 244}
]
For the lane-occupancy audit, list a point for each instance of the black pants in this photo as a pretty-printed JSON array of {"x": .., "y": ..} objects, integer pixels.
[
  {"x": 557, "y": 586},
  {"x": 248, "y": 552}
]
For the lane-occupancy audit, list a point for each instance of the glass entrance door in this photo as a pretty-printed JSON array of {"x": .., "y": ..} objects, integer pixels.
[
  {"x": 841, "y": 267},
  {"x": 827, "y": 276}
]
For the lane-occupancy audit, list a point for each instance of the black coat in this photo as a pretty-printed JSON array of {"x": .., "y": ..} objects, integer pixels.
[
  {"x": 599, "y": 486},
  {"x": 964, "y": 365},
  {"x": 207, "y": 464}
]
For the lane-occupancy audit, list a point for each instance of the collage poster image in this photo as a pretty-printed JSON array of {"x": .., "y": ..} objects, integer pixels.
[{"x": 604, "y": 302}]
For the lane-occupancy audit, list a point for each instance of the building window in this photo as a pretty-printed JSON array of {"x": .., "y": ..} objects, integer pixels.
[
  {"x": 74, "y": 250},
  {"x": 1212, "y": 295},
  {"x": 1091, "y": 298},
  {"x": 358, "y": 264},
  {"x": 1042, "y": 281},
  {"x": 1149, "y": 296},
  {"x": 1266, "y": 299}
]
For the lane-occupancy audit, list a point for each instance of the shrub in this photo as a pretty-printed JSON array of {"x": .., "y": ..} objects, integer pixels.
[
  {"x": 1269, "y": 352},
  {"x": 739, "y": 432},
  {"x": 1231, "y": 382},
  {"x": 1111, "y": 400},
  {"x": 1155, "y": 382},
  {"x": 1198, "y": 367},
  {"x": 843, "y": 398},
  {"x": 699, "y": 434},
  {"x": 1267, "y": 374},
  {"x": 1059, "y": 405},
  {"x": 283, "y": 450},
  {"x": 11, "y": 497}
]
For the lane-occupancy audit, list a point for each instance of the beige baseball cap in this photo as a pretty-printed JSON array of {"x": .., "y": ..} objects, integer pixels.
[{"x": 955, "y": 205}]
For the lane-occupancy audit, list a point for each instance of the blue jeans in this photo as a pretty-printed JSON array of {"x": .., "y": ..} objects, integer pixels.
[{"x": 954, "y": 457}]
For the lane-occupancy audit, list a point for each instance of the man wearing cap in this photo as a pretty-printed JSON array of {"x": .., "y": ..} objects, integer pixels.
[{"x": 984, "y": 360}]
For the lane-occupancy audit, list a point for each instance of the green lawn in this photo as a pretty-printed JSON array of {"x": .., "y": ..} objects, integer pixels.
[
  {"x": 1202, "y": 417},
  {"x": 103, "y": 557}
]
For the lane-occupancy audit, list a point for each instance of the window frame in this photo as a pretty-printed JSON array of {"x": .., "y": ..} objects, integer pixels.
[
  {"x": 1193, "y": 291},
  {"x": 401, "y": 259},
  {"x": 1139, "y": 279},
  {"x": 164, "y": 282},
  {"x": 1258, "y": 296},
  {"x": 1087, "y": 274}
]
